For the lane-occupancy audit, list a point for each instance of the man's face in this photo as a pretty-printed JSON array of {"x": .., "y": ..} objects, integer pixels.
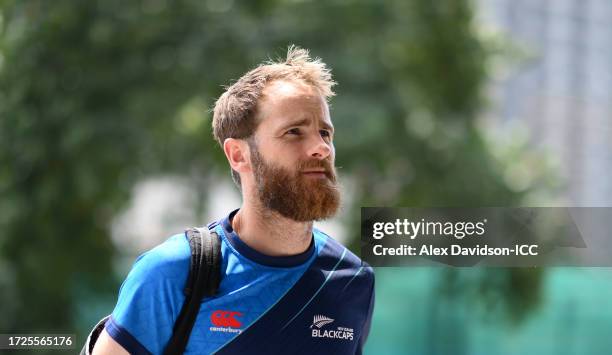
[{"x": 293, "y": 157}]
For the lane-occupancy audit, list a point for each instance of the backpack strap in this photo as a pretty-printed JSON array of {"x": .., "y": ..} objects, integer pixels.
[
  {"x": 93, "y": 336},
  {"x": 203, "y": 281}
]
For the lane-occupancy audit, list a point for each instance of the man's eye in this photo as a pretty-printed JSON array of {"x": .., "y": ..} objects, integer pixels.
[{"x": 294, "y": 131}]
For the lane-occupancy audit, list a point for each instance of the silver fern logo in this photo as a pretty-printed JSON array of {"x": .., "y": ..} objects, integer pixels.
[{"x": 320, "y": 320}]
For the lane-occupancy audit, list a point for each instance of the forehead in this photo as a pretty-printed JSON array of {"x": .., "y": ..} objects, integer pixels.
[{"x": 283, "y": 101}]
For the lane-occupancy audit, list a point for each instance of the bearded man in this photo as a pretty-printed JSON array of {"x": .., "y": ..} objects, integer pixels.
[{"x": 286, "y": 287}]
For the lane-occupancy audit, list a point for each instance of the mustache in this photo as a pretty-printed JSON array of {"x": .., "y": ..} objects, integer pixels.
[{"x": 325, "y": 165}]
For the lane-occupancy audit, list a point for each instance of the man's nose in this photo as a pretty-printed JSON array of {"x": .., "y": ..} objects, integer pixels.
[{"x": 320, "y": 149}]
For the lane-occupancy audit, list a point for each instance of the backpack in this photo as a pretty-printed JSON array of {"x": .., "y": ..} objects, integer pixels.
[{"x": 203, "y": 281}]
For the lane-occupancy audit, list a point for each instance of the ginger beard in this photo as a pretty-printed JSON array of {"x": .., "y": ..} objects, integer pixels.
[{"x": 292, "y": 194}]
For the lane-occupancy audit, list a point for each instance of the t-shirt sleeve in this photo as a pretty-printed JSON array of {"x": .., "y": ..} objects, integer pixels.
[{"x": 151, "y": 297}]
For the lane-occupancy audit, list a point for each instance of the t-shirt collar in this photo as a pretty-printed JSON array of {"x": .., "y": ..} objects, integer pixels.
[{"x": 254, "y": 255}]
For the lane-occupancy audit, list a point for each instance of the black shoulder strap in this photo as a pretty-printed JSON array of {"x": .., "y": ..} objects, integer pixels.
[
  {"x": 203, "y": 281},
  {"x": 93, "y": 337}
]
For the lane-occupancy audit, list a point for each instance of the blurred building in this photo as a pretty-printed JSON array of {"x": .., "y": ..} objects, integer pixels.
[{"x": 562, "y": 90}]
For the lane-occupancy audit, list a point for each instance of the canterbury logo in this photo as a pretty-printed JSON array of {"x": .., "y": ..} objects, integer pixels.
[
  {"x": 320, "y": 321},
  {"x": 226, "y": 319}
]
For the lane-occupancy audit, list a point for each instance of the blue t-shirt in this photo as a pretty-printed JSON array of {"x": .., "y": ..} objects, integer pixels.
[{"x": 317, "y": 302}]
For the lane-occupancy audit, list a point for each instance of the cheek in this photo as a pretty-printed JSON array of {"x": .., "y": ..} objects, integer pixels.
[
  {"x": 284, "y": 157},
  {"x": 292, "y": 152}
]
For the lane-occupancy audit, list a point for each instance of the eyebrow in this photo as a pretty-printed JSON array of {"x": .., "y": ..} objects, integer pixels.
[{"x": 305, "y": 121}]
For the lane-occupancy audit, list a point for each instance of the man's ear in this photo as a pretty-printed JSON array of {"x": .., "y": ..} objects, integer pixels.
[{"x": 237, "y": 153}]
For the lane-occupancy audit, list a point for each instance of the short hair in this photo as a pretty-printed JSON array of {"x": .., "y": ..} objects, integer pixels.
[{"x": 234, "y": 114}]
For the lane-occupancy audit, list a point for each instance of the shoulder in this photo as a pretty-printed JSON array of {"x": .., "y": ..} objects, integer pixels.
[
  {"x": 346, "y": 260},
  {"x": 166, "y": 262},
  {"x": 172, "y": 253}
]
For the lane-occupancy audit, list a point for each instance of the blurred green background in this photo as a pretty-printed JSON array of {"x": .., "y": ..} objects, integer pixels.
[{"x": 99, "y": 98}]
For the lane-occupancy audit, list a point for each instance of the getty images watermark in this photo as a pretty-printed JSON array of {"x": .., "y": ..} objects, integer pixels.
[
  {"x": 487, "y": 236},
  {"x": 457, "y": 230}
]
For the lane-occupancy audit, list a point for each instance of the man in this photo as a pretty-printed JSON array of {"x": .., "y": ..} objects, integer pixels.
[{"x": 286, "y": 287}]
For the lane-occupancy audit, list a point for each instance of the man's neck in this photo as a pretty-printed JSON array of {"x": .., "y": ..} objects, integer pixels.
[{"x": 270, "y": 233}]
